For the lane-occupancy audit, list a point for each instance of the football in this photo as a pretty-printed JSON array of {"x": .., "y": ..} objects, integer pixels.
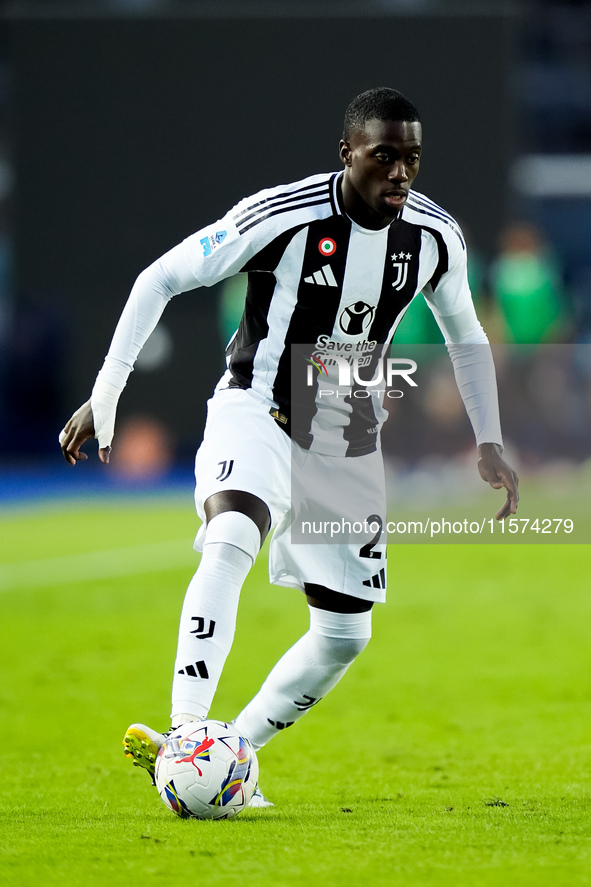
[{"x": 206, "y": 770}]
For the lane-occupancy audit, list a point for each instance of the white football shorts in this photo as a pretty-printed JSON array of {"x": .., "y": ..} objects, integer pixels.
[{"x": 318, "y": 497}]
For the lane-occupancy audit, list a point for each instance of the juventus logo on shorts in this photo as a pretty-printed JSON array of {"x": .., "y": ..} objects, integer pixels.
[{"x": 226, "y": 470}]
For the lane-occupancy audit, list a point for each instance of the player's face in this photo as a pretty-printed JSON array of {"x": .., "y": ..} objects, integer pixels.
[{"x": 381, "y": 163}]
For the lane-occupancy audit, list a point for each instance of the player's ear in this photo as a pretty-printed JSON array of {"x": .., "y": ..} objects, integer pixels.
[{"x": 345, "y": 152}]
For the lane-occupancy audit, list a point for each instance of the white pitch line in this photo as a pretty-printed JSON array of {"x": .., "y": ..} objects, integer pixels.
[{"x": 74, "y": 568}]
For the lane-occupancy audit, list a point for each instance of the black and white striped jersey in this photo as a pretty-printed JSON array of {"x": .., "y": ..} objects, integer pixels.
[{"x": 317, "y": 279}]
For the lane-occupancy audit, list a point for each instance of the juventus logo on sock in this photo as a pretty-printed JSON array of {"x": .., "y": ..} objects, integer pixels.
[
  {"x": 279, "y": 725},
  {"x": 304, "y": 706},
  {"x": 226, "y": 469},
  {"x": 195, "y": 670},
  {"x": 199, "y": 632}
]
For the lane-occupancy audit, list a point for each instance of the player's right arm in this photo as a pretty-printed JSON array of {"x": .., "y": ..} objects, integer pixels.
[
  {"x": 191, "y": 264},
  {"x": 203, "y": 259}
]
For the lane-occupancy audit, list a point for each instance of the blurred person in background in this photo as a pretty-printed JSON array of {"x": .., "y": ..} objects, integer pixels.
[
  {"x": 144, "y": 449},
  {"x": 527, "y": 288},
  {"x": 232, "y": 296}
]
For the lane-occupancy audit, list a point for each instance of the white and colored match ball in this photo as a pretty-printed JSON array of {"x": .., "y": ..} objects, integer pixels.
[{"x": 206, "y": 770}]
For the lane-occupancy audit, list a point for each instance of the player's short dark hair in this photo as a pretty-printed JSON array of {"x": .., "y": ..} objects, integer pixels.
[{"x": 381, "y": 103}]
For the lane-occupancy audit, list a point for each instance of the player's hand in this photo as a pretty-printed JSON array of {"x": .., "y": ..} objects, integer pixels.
[
  {"x": 495, "y": 471},
  {"x": 76, "y": 432}
]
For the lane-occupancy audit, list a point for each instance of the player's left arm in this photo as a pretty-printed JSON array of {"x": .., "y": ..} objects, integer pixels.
[
  {"x": 469, "y": 350},
  {"x": 499, "y": 474}
]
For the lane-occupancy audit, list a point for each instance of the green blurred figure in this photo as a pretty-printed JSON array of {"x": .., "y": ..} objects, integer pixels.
[
  {"x": 233, "y": 295},
  {"x": 526, "y": 286},
  {"x": 418, "y": 325}
]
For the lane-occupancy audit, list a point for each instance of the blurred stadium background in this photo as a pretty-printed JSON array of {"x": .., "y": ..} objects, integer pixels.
[{"x": 125, "y": 125}]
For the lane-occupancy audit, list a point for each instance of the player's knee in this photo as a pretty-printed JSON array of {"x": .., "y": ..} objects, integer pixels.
[
  {"x": 341, "y": 651},
  {"x": 341, "y": 636},
  {"x": 234, "y": 528}
]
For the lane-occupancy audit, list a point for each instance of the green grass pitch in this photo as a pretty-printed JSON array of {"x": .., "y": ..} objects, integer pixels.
[{"x": 457, "y": 751}]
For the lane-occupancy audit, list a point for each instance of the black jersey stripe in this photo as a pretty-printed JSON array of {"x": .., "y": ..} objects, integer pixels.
[
  {"x": 399, "y": 283},
  {"x": 300, "y": 194},
  {"x": 283, "y": 209},
  {"x": 361, "y": 432},
  {"x": 254, "y": 327},
  {"x": 416, "y": 207},
  {"x": 443, "y": 261},
  {"x": 400, "y": 279},
  {"x": 269, "y": 257},
  {"x": 314, "y": 315}
]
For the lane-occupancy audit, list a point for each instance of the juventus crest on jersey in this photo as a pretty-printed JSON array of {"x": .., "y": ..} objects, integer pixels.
[{"x": 317, "y": 280}]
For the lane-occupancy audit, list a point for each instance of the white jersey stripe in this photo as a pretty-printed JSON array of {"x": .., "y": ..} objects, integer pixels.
[
  {"x": 363, "y": 280},
  {"x": 420, "y": 206},
  {"x": 328, "y": 274},
  {"x": 419, "y": 196},
  {"x": 280, "y": 194},
  {"x": 262, "y": 207},
  {"x": 284, "y": 209},
  {"x": 431, "y": 207}
]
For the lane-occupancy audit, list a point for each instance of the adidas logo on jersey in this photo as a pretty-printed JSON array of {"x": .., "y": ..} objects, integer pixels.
[{"x": 324, "y": 277}]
